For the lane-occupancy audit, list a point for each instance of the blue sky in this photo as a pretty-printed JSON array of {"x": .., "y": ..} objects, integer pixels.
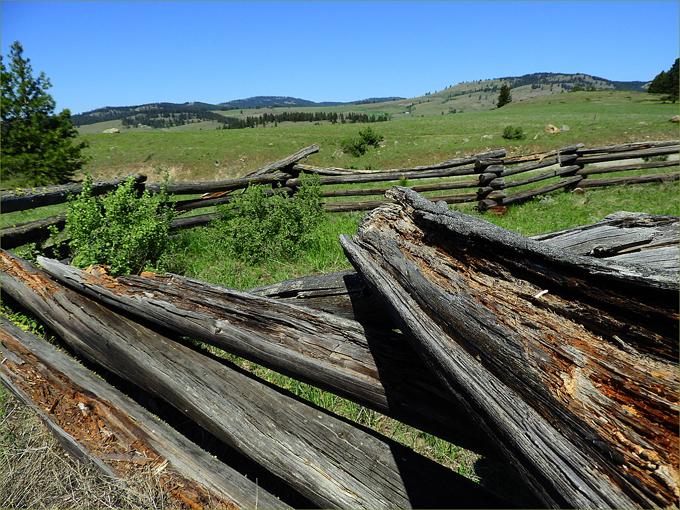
[{"x": 126, "y": 53}]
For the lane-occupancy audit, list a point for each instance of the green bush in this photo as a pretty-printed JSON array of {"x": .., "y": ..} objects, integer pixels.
[
  {"x": 359, "y": 146},
  {"x": 121, "y": 229},
  {"x": 513, "y": 133},
  {"x": 257, "y": 226}
]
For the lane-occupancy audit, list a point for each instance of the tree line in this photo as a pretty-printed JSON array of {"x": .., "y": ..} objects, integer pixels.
[{"x": 271, "y": 118}]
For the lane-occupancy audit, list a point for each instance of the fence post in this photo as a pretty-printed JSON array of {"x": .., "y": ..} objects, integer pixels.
[{"x": 492, "y": 186}]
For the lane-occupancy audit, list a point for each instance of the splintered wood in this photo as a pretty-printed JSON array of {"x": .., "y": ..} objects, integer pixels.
[{"x": 595, "y": 356}]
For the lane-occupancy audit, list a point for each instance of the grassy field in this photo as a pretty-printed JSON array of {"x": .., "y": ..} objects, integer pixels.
[{"x": 593, "y": 118}]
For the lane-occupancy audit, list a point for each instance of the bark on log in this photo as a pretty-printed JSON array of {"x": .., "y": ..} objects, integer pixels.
[
  {"x": 285, "y": 162},
  {"x": 633, "y": 179},
  {"x": 66, "y": 382},
  {"x": 189, "y": 188},
  {"x": 29, "y": 232},
  {"x": 525, "y": 195},
  {"x": 328, "y": 460},
  {"x": 578, "y": 385},
  {"x": 22, "y": 199},
  {"x": 371, "y": 366},
  {"x": 655, "y": 151}
]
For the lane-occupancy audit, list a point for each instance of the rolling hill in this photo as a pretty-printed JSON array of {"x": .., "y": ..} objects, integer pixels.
[{"x": 460, "y": 98}]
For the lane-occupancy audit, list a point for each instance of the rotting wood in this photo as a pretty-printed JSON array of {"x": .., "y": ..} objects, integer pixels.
[
  {"x": 328, "y": 460},
  {"x": 116, "y": 433},
  {"x": 29, "y": 198},
  {"x": 371, "y": 366},
  {"x": 578, "y": 384},
  {"x": 285, "y": 163}
]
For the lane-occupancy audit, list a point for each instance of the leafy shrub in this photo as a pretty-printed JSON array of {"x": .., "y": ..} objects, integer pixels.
[
  {"x": 121, "y": 229},
  {"x": 513, "y": 133},
  {"x": 257, "y": 226},
  {"x": 359, "y": 146}
]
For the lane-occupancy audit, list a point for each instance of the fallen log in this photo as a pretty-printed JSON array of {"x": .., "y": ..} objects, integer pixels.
[
  {"x": 113, "y": 432},
  {"x": 285, "y": 162},
  {"x": 21, "y": 199},
  {"x": 371, "y": 366},
  {"x": 552, "y": 352},
  {"x": 328, "y": 460}
]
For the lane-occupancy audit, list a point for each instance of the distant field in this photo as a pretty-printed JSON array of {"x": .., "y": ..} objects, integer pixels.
[{"x": 592, "y": 118}]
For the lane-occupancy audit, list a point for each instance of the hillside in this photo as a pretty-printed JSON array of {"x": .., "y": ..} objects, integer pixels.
[{"x": 464, "y": 97}]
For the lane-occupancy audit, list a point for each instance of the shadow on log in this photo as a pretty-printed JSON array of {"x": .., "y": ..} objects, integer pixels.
[{"x": 568, "y": 362}]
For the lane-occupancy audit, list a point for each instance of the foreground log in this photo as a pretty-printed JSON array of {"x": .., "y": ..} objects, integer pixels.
[
  {"x": 113, "y": 431},
  {"x": 21, "y": 199},
  {"x": 328, "y": 460},
  {"x": 371, "y": 366},
  {"x": 570, "y": 364}
]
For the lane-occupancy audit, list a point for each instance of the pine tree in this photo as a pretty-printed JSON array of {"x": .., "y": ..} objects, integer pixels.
[
  {"x": 37, "y": 146},
  {"x": 504, "y": 97},
  {"x": 666, "y": 83}
]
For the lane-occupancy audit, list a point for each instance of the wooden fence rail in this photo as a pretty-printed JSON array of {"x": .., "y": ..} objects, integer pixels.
[{"x": 491, "y": 171}]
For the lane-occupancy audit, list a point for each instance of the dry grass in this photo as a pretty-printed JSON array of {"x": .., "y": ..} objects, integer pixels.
[{"x": 38, "y": 473}]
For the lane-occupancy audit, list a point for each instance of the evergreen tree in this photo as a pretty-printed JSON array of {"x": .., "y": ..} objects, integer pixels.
[
  {"x": 504, "y": 97},
  {"x": 37, "y": 146},
  {"x": 666, "y": 83}
]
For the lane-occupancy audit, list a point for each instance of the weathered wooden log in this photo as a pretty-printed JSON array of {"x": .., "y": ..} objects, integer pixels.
[
  {"x": 529, "y": 167},
  {"x": 21, "y": 199},
  {"x": 550, "y": 350},
  {"x": 190, "y": 188},
  {"x": 35, "y": 369},
  {"x": 29, "y": 232},
  {"x": 526, "y": 195},
  {"x": 201, "y": 203},
  {"x": 328, "y": 460},
  {"x": 285, "y": 163},
  {"x": 365, "y": 205},
  {"x": 560, "y": 172},
  {"x": 625, "y": 147},
  {"x": 370, "y": 366},
  {"x": 615, "y": 156},
  {"x": 624, "y": 168},
  {"x": 420, "y": 188},
  {"x": 310, "y": 169},
  {"x": 193, "y": 221},
  {"x": 632, "y": 179},
  {"x": 540, "y": 156}
]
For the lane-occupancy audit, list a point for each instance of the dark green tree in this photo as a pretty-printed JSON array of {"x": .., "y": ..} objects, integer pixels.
[
  {"x": 38, "y": 147},
  {"x": 504, "y": 97},
  {"x": 666, "y": 83}
]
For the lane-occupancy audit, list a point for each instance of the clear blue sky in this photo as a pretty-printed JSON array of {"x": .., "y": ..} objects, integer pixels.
[{"x": 126, "y": 53}]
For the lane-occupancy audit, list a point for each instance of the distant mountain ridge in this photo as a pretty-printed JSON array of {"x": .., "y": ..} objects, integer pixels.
[{"x": 169, "y": 114}]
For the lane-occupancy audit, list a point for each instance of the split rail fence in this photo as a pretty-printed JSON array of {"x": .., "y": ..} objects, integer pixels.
[{"x": 490, "y": 185}]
